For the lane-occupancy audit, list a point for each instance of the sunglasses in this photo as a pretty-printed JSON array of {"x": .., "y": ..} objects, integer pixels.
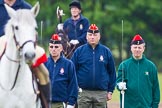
[{"x": 54, "y": 46}]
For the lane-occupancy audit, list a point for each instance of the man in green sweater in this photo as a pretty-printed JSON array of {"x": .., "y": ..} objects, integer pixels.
[{"x": 138, "y": 78}]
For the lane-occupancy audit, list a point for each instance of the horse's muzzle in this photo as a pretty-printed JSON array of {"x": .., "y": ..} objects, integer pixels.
[{"x": 29, "y": 56}]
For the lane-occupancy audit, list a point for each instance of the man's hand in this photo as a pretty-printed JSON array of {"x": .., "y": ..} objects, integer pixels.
[
  {"x": 74, "y": 42},
  {"x": 122, "y": 85},
  {"x": 109, "y": 96}
]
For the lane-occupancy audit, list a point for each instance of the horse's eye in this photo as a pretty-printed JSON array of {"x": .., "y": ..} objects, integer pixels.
[{"x": 16, "y": 27}]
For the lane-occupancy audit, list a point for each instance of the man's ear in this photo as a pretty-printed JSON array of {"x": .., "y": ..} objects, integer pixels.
[
  {"x": 80, "y": 11},
  {"x": 61, "y": 47}
]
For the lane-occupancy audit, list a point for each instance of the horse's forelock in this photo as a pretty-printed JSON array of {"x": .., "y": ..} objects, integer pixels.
[
  {"x": 25, "y": 16},
  {"x": 62, "y": 34}
]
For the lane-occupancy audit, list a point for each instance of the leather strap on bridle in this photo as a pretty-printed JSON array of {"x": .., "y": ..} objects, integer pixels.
[
  {"x": 17, "y": 43},
  {"x": 16, "y": 77},
  {"x": 20, "y": 47},
  {"x": 3, "y": 51}
]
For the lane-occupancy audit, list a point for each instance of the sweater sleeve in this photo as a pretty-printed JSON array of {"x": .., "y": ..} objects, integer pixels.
[
  {"x": 112, "y": 74},
  {"x": 156, "y": 89}
]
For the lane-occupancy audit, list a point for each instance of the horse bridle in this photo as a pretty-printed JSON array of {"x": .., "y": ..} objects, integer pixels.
[
  {"x": 18, "y": 44},
  {"x": 19, "y": 47},
  {"x": 17, "y": 61}
]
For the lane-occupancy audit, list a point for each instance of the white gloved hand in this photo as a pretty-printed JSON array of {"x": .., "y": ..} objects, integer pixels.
[
  {"x": 74, "y": 42},
  {"x": 70, "y": 106},
  {"x": 60, "y": 26},
  {"x": 122, "y": 85},
  {"x": 80, "y": 90},
  {"x": 64, "y": 104}
]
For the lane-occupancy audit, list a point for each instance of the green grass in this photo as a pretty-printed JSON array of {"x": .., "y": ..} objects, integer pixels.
[
  {"x": 115, "y": 97},
  {"x": 160, "y": 83}
]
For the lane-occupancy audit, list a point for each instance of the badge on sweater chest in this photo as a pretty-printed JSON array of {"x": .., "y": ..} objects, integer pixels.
[
  {"x": 147, "y": 73},
  {"x": 62, "y": 71},
  {"x": 101, "y": 58},
  {"x": 81, "y": 26}
]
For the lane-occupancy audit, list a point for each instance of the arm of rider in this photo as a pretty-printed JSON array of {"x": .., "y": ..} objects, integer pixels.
[
  {"x": 122, "y": 85},
  {"x": 74, "y": 42},
  {"x": 70, "y": 106}
]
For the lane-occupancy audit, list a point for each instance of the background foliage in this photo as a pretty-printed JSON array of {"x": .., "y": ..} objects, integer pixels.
[{"x": 142, "y": 17}]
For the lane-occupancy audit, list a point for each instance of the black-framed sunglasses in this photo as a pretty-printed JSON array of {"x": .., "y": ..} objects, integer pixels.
[{"x": 54, "y": 46}]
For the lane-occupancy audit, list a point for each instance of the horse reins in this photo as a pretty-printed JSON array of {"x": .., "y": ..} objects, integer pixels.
[
  {"x": 3, "y": 51},
  {"x": 20, "y": 47},
  {"x": 17, "y": 61},
  {"x": 15, "y": 76},
  {"x": 71, "y": 51}
]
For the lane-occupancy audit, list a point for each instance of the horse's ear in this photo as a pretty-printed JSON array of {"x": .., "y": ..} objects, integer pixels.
[
  {"x": 11, "y": 12},
  {"x": 35, "y": 9}
]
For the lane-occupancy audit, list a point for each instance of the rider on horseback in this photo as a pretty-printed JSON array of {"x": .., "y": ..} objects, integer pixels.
[{"x": 77, "y": 25}]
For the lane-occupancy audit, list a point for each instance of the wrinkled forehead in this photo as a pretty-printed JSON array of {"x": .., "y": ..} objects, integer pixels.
[
  {"x": 51, "y": 44},
  {"x": 140, "y": 45},
  {"x": 96, "y": 34}
]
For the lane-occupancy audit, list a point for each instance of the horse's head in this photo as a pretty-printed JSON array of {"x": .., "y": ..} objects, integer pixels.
[
  {"x": 22, "y": 29},
  {"x": 64, "y": 38}
]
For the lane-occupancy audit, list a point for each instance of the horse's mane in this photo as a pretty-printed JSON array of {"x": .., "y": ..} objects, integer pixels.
[
  {"x": 63, "y": 35},
  {"x": 68, "y": 48},
  {"x": 64, "y": 40}
]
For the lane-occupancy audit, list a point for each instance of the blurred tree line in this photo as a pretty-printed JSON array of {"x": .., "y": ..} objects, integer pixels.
[{"x": 142, "y": 17}]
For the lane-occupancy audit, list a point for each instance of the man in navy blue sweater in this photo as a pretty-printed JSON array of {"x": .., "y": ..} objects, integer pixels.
[
  {"x": 95, "y": 71},
  {"x": 62, "y": 75}
]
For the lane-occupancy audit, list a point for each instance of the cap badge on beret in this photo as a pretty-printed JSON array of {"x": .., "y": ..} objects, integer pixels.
[
  {"x": 55, "y": 39},
  {"x": 93, "y": 29},
  {"x": 137, "y": 40}
]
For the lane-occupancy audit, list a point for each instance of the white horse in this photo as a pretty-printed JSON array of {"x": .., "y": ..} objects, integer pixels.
[{"x": 16, "y": 83}]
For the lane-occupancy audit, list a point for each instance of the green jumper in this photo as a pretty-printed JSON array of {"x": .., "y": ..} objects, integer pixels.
[{"x": 142, "y": 83}]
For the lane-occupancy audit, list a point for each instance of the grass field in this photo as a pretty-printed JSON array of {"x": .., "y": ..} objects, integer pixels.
[{"x": 116, "y": 93}]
